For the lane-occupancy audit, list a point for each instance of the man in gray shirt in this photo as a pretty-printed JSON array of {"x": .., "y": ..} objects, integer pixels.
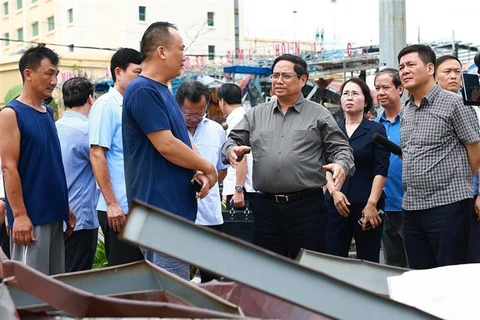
[{"x": 290, "y": 138}]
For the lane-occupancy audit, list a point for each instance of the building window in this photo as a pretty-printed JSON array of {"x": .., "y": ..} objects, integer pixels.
[
  {"x": 210, "y": 20},
  {"x": 5, "y": 8},
  {"x": 211, "y": 52},
  {"x": 19, "y": 4},
  {"x": 70, "y": 15},
  {"x": 34, "y": 29},
  {"x": 51, "y": 23},
  {"x": 6, "y": 36},
  {"x": 20, "y": 34},
  {"x": 142, "y": 13}
]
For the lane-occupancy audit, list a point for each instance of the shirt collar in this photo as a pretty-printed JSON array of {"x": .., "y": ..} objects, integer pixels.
[
  {"x": 116, "y": 95},
  {"x": 429, "y": 98},
  {"x": 234, "y": 113},
  {"x": 297, "y": 106},
  {"x": 74, "y": 114},
  {"x": 382, "y": 118}
]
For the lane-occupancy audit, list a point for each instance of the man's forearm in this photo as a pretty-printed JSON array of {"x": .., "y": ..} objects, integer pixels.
[
  {"x": 102, "y": 176},
  {"x": 241, "y": 172}
]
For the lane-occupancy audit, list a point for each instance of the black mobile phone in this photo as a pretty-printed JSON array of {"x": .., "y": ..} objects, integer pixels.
[
  {"x": 471, "y": 89},
  {"x": 368, "y": 226},
  {"x": 197, "y": 185}
]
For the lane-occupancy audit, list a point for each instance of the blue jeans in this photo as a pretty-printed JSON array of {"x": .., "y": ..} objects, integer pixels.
[
  {"x": 167, "y": 263},
  {"x": 437, "y": 236},
  {"x": 285, "y": 228}
]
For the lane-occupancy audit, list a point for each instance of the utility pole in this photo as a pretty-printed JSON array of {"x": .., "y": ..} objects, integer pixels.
[{"x": 392, "y": 27}]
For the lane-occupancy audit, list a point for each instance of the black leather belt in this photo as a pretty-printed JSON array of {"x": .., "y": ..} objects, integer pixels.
[{"x": 288, "y": 197}]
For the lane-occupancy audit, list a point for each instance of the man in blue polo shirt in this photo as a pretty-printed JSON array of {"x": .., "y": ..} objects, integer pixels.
[
  {"x": 160, "y": 163},
  {"x": 106, "y": 155},
  {"x": 82, "y": 192},
  {"x": 389, "y": 91},
  {"x": 208, "y": 136}
]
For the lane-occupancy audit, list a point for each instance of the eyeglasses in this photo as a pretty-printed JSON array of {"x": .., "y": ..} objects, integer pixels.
[
  {"x": 285, "y": 76},
  {"x": 353, "y": 94},
  {"x": 194, "y": 115}
]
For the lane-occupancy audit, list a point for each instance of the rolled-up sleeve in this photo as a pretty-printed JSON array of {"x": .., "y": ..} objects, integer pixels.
[
  {"x": 336, "y": 145},
  {"x": 239, "y": 136}
]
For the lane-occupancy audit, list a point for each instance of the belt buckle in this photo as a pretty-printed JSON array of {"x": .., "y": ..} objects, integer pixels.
[{"x": 281, "y": 198}]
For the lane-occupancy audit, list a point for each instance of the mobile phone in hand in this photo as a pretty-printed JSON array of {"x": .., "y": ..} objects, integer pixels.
[
  {"x": 197, "y": 185},
  {"x": 368, "y": 226}
]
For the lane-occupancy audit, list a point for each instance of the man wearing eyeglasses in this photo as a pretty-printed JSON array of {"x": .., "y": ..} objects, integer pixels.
[
  {"x": 293, "y": 141},
  {"x": 208, "y": 136}
]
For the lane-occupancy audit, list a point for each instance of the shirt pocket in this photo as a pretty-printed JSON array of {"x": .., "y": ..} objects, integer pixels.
[
  {"x": 304, "y": 143},
  {"x": 261, "y": 143}
]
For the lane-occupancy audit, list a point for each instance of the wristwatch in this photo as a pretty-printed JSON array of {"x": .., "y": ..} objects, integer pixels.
[{"x": 239, "y": 188}]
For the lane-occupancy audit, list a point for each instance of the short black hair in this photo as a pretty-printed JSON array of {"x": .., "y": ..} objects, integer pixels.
[
  {"x": 365, "y": 91},
  {"x": 444, "y": 58},
  {"x": 230, "y": 92},
  {"x": 426, "y": 54},
  {"x": 76, "y": 91},
  {"x": 192, "y": 91},
  {"x": 393, "y": 73},
  {"x": 300, "y": 66},
  {"x": 33, "y": 56},
  {"x": 122, "y": 58},
  {"x": 476, "y": 59},
  {"x": 157, "y": 34}
]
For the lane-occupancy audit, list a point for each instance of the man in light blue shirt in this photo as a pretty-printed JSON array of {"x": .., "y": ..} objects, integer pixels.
[
  {"x": 208, "y": 136},
  {"x": 106, "y": 156},
  {"x": 82, "y": 193},
  {"x": 389, "y": 91}
]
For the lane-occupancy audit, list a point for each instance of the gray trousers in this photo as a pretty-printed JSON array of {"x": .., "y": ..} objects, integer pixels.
[
  {"x": 392, "y": 240},
  {"x": 167, "y": 263},
  {"x": 47, "y": 254}
]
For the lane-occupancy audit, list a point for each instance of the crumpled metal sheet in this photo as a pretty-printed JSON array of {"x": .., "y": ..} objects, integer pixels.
[
  {"x": 259, "y": 304},
  {"x": 78, "y": 303}
]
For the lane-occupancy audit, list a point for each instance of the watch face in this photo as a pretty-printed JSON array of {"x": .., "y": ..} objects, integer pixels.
[{"x": 238, "y": 188}]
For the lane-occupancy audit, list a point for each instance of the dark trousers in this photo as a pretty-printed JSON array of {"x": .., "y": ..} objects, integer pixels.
[
  {"x": 118, "y": 252},
  {"x": 392, "y": 240},
  {"x": 473, "y": 238},
  {"x": 340, "y": 231},
  {"x": 285, "y": 228},
  {"x": 4, "y": 239},
  {"x": 204, "y": 275},
  {"x": 80, "y": 250},
  {"x": 437, "y": 236}
]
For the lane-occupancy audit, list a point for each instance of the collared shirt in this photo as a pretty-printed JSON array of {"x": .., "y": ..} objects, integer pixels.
[
  {"x": 393, "y": 186},
  {"x": 436, "y": 170},
  {"x": 82, "y": 191},
  {"x": 289, "y": 149},
  {"x": 230, "y": 180},
  {"x": 105, "y": 130},
  {"x": 209, "y": 138}
]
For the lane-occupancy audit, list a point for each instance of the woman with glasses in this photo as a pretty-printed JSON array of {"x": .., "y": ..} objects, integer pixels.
[{"x": 361, "y": 195}]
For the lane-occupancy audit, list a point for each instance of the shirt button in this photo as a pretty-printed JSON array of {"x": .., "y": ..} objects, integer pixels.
[
  {"x": 282, "y": 135},
  {"x": 279, "y": 152}
]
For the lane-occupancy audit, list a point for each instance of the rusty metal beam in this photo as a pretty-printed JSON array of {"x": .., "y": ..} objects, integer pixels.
[
  {"x": 167, "y": 233},
  {"x": 364, "y": 274},
  {"x": 78, "y": 303},
  {"x": 134, "y": 278}
]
